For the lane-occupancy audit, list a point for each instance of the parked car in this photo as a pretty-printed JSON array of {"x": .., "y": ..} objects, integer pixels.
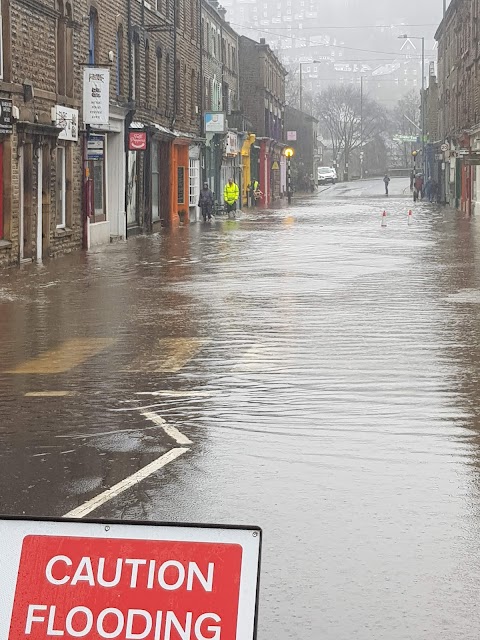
[{"x": 326, "y": 175}]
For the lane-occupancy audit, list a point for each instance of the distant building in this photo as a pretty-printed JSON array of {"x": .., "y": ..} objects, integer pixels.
[
  {"x": 301, "y": 134},
  {"x": 262, "y": 90}
]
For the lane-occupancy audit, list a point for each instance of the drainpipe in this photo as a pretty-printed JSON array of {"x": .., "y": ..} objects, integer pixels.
[
  {"x": 202, "y": 98},
  {"x": 175, "y": 78},
  {"x": 129, "y": 116}
]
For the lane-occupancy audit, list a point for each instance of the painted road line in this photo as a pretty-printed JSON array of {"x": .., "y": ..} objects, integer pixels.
[
  {"x": 68, "y": 355},
  {"x": 50, "y": 394},
  {"x": 128, "y": 483},
  {"x": 166, "y": 393},
  {"x": 169, "y": 429},
  {"x": 169, "y": 355},
  {"x": 100, "y": 434}
]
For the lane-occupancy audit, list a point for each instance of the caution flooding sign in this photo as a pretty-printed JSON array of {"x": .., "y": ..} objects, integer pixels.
[{"x": 128, "y": 581}]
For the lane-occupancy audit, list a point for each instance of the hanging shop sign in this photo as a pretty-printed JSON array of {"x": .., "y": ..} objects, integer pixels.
[
  {"x": 137, "y": 140},
  {"x": 6, "y": 122},
  {"x": 231, "y": 144},
  {"x": 67, "y": 120},
  {"x": 215, "y": 122},
  {"x": 95, "y": 147},
  {"x": 96, "y": 96}
]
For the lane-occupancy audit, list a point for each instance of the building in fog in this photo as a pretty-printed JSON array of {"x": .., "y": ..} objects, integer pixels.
[
  {"x": 262, "y": 91},
  {"x": 458, "y": 105}
]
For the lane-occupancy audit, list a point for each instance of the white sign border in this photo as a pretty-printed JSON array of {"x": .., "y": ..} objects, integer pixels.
[{"x": 249, "y": 538}]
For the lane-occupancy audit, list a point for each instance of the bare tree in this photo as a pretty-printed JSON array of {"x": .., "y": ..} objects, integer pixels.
[
  {"x": 405, "y": 120},
  {"x": 292, "y": 90},
  {"x": 349, "y": 121}
]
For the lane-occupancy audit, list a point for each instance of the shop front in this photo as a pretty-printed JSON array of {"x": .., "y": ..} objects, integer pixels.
[{"x": 105, "y": 160}]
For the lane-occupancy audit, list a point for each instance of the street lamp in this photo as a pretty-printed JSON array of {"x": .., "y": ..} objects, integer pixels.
[
  {"x": 301, "y": 80},
  {"x": 406, "y": 37},
  {"x": 289, "y": 153}
]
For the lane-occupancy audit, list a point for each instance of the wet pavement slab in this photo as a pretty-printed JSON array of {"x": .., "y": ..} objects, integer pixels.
[{"x": 304, "y": 369}]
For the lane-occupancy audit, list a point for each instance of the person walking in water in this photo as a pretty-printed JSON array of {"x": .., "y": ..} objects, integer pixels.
[
  {"x": 386, "y": 180},
  {"x": 231, "y": 194},
  {"x": 205, "y": 202}
]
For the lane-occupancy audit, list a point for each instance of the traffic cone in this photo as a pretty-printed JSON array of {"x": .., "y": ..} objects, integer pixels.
[
  {"x": 384, "y": 219},
  {"x": 410, "y": 217}
]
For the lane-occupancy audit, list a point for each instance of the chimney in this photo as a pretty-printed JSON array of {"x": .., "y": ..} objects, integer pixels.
[{"x": 262, "y": 41}]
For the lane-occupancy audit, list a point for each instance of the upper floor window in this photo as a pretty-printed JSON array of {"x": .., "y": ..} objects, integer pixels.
[
  {"x": 64, "y": 49},
  {"x": 119, "y": 65},
  {"x": 93, "y": 37}
]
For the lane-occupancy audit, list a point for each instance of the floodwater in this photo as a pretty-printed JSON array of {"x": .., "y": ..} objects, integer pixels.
[{"x": 326, "y": 372}]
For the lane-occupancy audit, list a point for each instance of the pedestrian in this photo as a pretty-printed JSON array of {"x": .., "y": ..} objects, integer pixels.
[
  {"x": 434, "y": 192},
  {"x": 418, "y": 187},
  {"x": 412, "y": 179},
  {"x": 230, "y": 196},
  {"x": 311, "y": 183},
  {"x": 428, "y": 189},
  {"x": 386, "y": 180},
  {"x": 205, "y": 202}
]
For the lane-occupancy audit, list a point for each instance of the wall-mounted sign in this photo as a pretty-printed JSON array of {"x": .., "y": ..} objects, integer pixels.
[
  {"x": 66, "y": 119},
  {"x": 112, "y": 580},
  {"x": 275, "y": 165},
  {"x": 231, "y": 144},
  {"x": 137, "y": 140},
  {"x": 181, "y": 185},
  {"x": 95, "y": 147},
  {"x": 291, "y": 136},
  {"x": 6, "y": 123},
  {"x": 215, "y": 122},
  {"x": 96, "y": 96}
]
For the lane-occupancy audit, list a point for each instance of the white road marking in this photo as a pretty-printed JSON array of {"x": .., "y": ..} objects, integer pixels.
[
  {"x": 101, "y": 433},
  {"x": 128, "y": 483},
  {"x": 50, "y": 394},
  {"x": 169, "y": 429},
  {"x": 166, "y": 393}
]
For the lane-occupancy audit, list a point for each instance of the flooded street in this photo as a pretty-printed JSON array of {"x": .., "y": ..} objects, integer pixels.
[{"x": 303, "y": 369}]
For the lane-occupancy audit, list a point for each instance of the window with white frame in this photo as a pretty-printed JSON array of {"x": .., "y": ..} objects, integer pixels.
[
  {"x": 194, "y": 182},
  {"x": 61, "y": 188}
]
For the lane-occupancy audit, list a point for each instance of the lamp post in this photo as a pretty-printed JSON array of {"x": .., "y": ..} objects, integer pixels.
[
  {"x": 301, "y": 80},
  {"x": 289, "y": 153},
  {"x": 406, "y": 37}
]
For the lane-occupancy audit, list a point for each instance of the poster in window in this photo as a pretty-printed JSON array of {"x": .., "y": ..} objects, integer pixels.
[{"x": 181, "y": 185}]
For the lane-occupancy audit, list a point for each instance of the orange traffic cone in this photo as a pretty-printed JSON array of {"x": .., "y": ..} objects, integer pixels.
[{"x": 384, "y": 219}]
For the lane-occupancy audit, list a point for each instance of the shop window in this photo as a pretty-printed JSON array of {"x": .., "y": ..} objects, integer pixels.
[
  {"x": 61, "y": 191},
  {"x": 155, "y": 182},
  {"x": 97, "y": 176},
  {"x": 194, "y": 182}
]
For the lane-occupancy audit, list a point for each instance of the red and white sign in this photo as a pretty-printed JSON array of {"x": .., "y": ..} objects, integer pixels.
[
  {"x": 137, "y": 140},
  {"x": 132, "y": 582}
]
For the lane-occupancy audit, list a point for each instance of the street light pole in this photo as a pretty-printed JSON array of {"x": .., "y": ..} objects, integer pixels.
[
  {"x": 406, "y": 37},
  {"x": 424, "y": 160},
  {"x": 361, "y": 127}
]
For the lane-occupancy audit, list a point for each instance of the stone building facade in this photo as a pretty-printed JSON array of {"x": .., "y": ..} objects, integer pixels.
[
  {"x": 262, "y": 90},
  {"x": 63, "y": 187},
  {"x": 458, "y": 104}
]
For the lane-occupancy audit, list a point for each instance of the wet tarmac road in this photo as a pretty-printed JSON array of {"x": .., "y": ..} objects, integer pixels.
[{"x": 311, "y": 372}]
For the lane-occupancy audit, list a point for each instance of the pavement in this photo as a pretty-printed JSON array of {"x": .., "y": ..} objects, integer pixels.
[{"x": 303, "y": 369}]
